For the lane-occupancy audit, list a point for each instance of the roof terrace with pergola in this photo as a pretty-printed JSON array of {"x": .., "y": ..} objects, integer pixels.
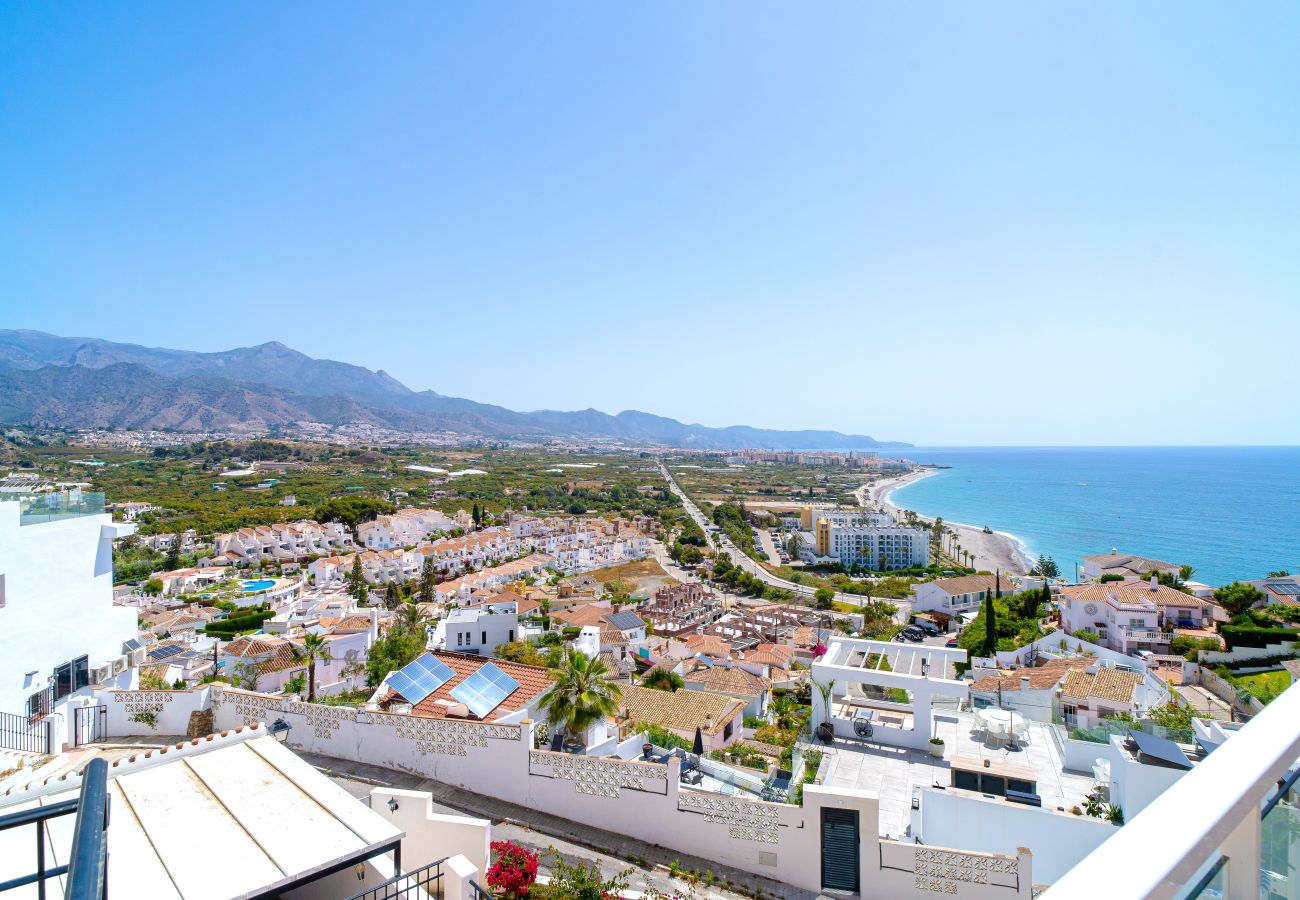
[{"x": 885, "y": 690}]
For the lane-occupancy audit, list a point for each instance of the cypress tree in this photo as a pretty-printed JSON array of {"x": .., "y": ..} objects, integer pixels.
[{"x": 990, "y": 627}]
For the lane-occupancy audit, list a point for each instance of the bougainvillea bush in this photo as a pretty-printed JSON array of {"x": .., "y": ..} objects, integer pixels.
[{"x": 513, "y": 873}]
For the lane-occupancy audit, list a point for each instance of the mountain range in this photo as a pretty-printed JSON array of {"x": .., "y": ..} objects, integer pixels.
[{"x": 70, "y": 382}]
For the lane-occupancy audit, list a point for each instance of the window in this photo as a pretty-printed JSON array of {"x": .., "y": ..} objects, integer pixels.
[
  {"x": 512, "y": 636},
  {"x": 460, "y": 638},
  {"x": 484, "y": 641}
]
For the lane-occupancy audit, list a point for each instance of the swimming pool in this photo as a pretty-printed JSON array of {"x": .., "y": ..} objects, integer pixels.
[{"x": 261, "y": 584}]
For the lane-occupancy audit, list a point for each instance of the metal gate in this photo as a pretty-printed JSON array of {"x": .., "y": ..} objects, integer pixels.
[
  {"x": 23, "y": 734},
  {"x": 840, "y": 850},
  {"x": 89, "y": 724}
]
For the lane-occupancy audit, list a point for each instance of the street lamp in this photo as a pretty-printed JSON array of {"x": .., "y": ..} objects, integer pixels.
[{"x": 280, "y": 730}]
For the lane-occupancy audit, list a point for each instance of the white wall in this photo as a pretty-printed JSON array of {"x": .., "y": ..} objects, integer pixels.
[
  {"x": 954, "y": 819},
  {"x": 58, "y": 599},
  {"x": 430, "y": 836}
]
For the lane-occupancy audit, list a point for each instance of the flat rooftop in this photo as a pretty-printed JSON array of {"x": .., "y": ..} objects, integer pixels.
[{"x": 892, "y": 772}]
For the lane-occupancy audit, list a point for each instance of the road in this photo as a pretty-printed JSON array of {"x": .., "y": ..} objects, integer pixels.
[{"x": 740, "y": 558}]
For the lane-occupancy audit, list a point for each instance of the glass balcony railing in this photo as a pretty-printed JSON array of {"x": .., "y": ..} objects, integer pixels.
[
  {"x": 34, "y": 509},
  {"x": 1279, "y": 843}
]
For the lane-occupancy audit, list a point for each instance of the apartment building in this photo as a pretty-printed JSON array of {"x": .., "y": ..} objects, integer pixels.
[
  {"x": 480, "y": 629},
  {"x": 404, "y": 528},
  {"x": 283, "y": 541},
  {"x": 62, "y": 632},
  {"x": 870, "y": 540}
]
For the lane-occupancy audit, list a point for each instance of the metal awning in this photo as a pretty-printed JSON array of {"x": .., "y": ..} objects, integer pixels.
[{"x": 249, "y": 819}]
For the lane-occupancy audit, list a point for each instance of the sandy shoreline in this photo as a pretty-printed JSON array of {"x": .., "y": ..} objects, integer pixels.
[{"x": 993, "y": 552}]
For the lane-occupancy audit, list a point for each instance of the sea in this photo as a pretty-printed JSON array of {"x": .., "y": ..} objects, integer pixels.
[{"x": 1233, "y": 513}]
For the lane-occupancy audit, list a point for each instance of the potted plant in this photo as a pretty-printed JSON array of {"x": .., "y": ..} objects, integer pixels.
[
  {"x": 936, "y": 747},
  {"x": 826, "y": 728}
]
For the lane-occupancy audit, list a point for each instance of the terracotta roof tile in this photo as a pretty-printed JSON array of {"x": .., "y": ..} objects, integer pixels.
[
  {"x": 681, "y": 710},
  {"x": 533, "y": 682}
]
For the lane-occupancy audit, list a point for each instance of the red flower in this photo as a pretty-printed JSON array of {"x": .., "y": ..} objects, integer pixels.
[{"x": 514, "y": 872}]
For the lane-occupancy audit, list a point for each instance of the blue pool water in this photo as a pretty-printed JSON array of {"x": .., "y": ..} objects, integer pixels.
[
  {"x": 261, "y": 584},
  {"x": 1231, "y": 512}
]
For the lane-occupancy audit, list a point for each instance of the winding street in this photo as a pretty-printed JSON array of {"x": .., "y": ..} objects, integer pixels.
[{"x": 742, "y": 559}]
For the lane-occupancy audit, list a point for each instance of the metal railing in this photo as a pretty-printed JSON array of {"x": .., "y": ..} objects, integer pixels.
[
  {"x": 26, "y": 735},
  {"x": 478, "y": 893},
  {"x": 87, "y": 868},
  {"x": 426, "y": 878}
]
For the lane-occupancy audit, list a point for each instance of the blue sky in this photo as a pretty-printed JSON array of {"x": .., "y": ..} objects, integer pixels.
[{"x": 958, "y": 224}]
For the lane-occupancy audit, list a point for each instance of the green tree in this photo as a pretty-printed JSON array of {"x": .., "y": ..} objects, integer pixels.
[
  {"x": 392, "y": 599},
  {"x": 153, "y": 587},
  {"x": 990, "y": 616},
  {"x": 357, "y": 580},
  {"x": 352, "y": 511},
  {"x": 1236, "y": 598},
  {"x": 172, "y": 561},
  {"x": 427, "y": 581},
  {"x": 663, "y": 680},
  {"x": 520, "y": 652},
  {"x": 396, "y": 648},
  {"x": 1046, "y": 567},
  {"x": 582, "y": 694},
  {"x": 314, "y": 647},
  {"x": 825, "y": 597},
  {"x": 1277, "y": 573}
]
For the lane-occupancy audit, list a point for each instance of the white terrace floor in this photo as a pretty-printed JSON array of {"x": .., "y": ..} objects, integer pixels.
[{"x": 892, "y": 772}]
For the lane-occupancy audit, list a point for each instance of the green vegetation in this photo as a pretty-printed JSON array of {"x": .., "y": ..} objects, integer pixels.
[
  {"x": 180, "y": 480},
  {"x": 663, "y": 680},
  {"x": 1010, "y": 630},
  {"x": 730, "y": 517},
  {"x": 1236, "y": 598},
  {"x": 401, "y": 644},
  {"x": 582, "y": 695},
  {"x": 521, "y": 652},
  {"x": 662, "y": 737},
  {"x": 248, "y": 619},
  {"x": 1263, "y": 686},
  {"x": 739, "y": 581},
  {"x": 352, "y": 511}
]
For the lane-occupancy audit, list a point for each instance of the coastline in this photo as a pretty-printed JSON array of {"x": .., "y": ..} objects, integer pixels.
[{"x": 998, "y": 551}]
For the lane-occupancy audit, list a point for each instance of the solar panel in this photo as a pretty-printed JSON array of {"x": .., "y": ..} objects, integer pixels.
[
  {"x": 1161, "y": 751},
  {"x": 483, "y": 691},
  {"x": 420, "y": 678},
  {"x": 1287, "y": 588},
  {"x": 164, "y": 652}
]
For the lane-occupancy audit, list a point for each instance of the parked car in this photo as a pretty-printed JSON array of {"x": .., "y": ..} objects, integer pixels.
[
  {"x": 952, "y": 642},
  {"x": 913, "y": 634},
  {"x": 927, "y": 626}
]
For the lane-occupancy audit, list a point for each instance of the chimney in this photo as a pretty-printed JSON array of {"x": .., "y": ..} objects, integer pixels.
[
  {"x": 1155, "y": 581},
  {"x": 1024, "y": 682},
  {"x": 374, "y": 624}
]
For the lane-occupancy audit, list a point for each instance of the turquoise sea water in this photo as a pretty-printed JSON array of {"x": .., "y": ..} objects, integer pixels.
[{"x": 1232, "y": 512}]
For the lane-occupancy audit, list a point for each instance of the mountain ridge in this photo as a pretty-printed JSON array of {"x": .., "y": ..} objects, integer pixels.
[{"x": 50, "y": 380}]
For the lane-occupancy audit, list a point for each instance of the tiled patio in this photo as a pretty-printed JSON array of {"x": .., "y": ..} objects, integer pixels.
[{"x": 892, "y": 772}]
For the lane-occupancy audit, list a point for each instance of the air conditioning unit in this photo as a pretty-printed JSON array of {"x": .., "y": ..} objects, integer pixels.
[
  {"x": 136, "y": 657},
  {"x": 100, "y": 674},
  {"x": 120, "y": 665}
]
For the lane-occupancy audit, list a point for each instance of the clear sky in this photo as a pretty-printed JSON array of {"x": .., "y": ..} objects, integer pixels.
[{"x": 962, "y": 223}]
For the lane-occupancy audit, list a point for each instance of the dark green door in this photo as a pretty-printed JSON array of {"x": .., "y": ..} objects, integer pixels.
[{"x": 840, "y": 850}]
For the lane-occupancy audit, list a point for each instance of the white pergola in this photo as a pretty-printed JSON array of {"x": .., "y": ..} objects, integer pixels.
[{"x": 919, "y": 669}]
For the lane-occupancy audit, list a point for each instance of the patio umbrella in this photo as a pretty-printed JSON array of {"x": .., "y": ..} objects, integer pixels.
[{"x": 698, "y": 747}]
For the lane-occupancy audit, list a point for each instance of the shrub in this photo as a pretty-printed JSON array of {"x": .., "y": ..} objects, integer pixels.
[
  {"x": 515, "y": 870},
  {"x": 1249, "y": 636}
]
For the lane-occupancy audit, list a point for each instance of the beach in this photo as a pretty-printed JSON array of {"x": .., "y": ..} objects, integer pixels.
[{"x": 993, "y": 552}]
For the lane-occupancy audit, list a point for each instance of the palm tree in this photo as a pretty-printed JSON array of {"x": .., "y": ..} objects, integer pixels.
[
  {"x": 408, "y": 617},
  {"x": 582, "y": 695},
  {"x": 315, "y": 647}
]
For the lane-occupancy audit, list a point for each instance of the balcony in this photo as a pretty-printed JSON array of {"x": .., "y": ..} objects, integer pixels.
[
  {"x": 1225, "y": 829},
  {"x": 35, "y": 509}
]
